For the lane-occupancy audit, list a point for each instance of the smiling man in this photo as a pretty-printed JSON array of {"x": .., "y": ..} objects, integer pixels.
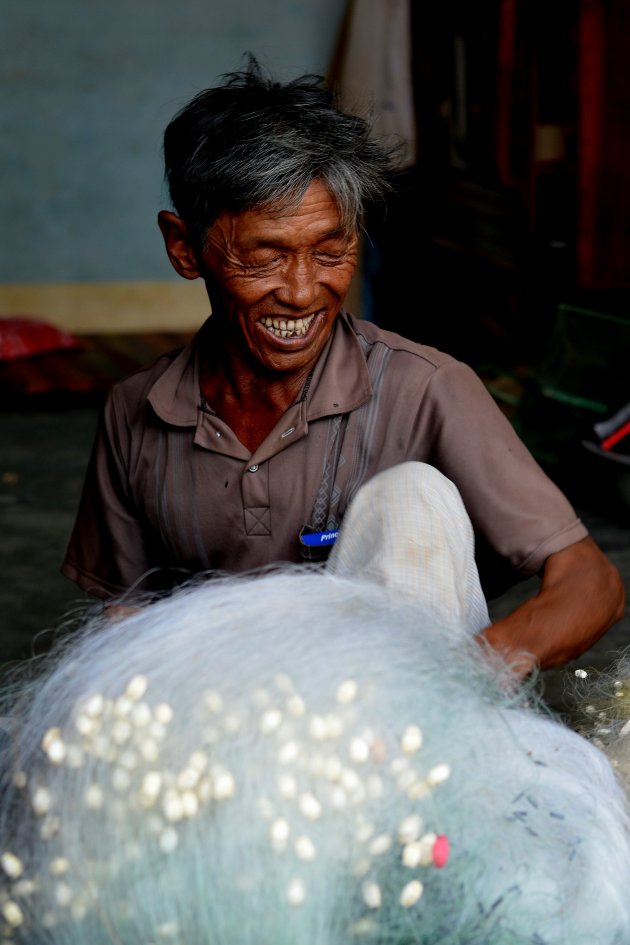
[
  {"x": 247, "y": 447},
  {"x": 277, "y": 278}
]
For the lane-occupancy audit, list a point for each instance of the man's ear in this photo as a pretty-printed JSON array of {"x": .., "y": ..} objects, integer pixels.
[{"x": 178, "y": 245}]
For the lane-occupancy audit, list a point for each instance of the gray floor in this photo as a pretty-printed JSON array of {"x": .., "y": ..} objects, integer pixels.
[{"x": 42, "y": 461}]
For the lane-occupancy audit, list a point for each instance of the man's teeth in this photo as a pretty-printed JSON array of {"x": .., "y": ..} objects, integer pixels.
[{"x": 288, "y": 328}]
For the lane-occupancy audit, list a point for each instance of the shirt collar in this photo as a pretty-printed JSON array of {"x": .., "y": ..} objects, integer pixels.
[
  {"x": 175, "y": 396},
  {"x": 340, "y": 381}
]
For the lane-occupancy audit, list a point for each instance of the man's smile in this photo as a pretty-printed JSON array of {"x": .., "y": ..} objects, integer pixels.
[{"x": 288, "y": 327}]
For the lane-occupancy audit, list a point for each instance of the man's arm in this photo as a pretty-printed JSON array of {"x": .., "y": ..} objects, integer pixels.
[
  {"x": 108, "y": 552},
  {"x": 580, "y": 597}
]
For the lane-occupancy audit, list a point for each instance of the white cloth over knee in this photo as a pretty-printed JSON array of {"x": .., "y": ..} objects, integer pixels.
[{"x": 407, "y": 529}]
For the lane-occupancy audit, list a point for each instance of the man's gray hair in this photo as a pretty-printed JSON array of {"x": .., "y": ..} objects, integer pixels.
[{"x": 254, "y": 142}]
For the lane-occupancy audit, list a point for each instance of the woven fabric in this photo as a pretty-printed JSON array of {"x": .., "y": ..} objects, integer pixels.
[{"x": 407, "y": 528}]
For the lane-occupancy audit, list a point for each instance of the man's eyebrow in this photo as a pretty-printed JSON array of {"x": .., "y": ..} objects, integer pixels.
[
  {"x": 271, "y": 242},
  {"x": 339, "y": 233}
]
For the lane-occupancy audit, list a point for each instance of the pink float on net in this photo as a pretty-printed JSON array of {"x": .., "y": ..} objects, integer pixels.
[{"x": 441, "y": 850}]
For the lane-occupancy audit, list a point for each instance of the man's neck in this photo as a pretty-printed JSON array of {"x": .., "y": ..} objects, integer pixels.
[{"x": 251, "y": 404}]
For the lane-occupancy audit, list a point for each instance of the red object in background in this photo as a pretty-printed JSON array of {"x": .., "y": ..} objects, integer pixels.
[
  {"x": 591, "y": 92},
  {"x": 506, "y": 65},
  {"x": 99, "y": 362},
  {"x": 22, "y": 337},
  {"x": 615, "y": 437}
]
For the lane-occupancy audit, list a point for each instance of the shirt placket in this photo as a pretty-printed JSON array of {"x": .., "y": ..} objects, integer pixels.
[{"x": 256, "y": 505}]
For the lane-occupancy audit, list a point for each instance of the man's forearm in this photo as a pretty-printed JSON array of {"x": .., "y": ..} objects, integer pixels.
[{"x": 581, "y": 596}]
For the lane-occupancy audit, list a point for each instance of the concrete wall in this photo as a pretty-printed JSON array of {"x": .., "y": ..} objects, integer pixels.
[{"x": 86, "y": 90}]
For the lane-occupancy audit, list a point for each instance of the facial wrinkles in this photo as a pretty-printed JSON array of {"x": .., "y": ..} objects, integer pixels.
[
  {"x": 221, "y": 247},
  {"x": 256, "y": 247},
  {"x": 280, "y": 277}
]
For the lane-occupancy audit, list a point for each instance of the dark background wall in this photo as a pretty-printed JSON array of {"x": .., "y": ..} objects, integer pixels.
[{"x": 520, "y": 199}]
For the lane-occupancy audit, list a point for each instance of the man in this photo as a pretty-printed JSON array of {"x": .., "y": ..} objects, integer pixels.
[{"x": 233, "y": 453}]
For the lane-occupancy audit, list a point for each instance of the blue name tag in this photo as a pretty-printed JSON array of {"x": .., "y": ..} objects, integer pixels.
[{"x": 317, "y": 539}]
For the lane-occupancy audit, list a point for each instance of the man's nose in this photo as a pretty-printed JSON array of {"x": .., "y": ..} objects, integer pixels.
[{"x": 299, "y": 284}]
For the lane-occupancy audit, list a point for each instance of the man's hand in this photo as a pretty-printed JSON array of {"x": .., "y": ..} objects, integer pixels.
[{"x": 580, "y": 597}]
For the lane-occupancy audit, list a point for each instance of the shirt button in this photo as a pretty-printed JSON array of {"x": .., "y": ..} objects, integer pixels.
[{"x": 253, "y": 468}]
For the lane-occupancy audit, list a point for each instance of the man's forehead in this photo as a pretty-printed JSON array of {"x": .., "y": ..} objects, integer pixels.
[{"x": 316, "y": 216}]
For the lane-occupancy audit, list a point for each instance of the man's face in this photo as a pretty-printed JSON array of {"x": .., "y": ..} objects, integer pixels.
[{"x": 278, "y": 279}]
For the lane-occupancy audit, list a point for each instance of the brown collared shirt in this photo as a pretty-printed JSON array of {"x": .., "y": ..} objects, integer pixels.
[{"x": 170, "y": 491}]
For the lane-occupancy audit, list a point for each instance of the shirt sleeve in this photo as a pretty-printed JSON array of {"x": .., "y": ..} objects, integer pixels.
[
  {"x": 517, "y": 511},
  {"x": 107, "y": 552}
]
